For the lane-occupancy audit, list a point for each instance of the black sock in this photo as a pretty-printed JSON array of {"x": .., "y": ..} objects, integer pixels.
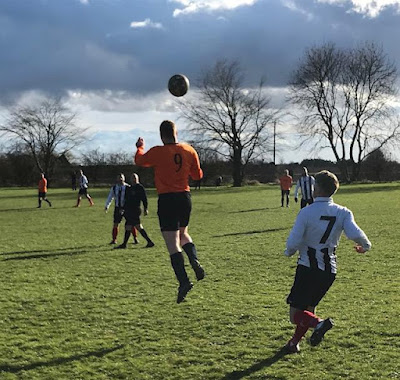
[
  {"x": 126, "y": 237},
  {"x": 40, "y": 203},
  {"x": 178, "y": 263},
  {"x": 144, "y": 234},
  {"x": 191, "y": 252},
  {"x": 49, "y": 203}
]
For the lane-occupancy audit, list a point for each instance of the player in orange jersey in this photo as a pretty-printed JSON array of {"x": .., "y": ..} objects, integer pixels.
[
  {"x": 173, "y": 163},
  {"x": 286, "y": 182},
  {"x": 42, "y": 187}
]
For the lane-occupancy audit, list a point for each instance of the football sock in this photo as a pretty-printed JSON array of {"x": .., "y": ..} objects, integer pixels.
[
  {"x": 126, "y": 236},
  {"x": 40, "y": 203},
  {"x": 178, "y": 264},
  {"x": 304, "y": 319},
  {"x": 114, "y": 233},
  {"x": 134, "y": 232},
  {"x": 144, "y": 234},
  {"x": 191, "y": 252}
]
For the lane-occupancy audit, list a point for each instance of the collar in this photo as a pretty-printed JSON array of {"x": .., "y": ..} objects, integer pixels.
[{"x": 324, "y": 199}]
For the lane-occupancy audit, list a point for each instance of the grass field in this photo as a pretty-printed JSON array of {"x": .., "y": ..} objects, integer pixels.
[{"x": 73, "y": 308}]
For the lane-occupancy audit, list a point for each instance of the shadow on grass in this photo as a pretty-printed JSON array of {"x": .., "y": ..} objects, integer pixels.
[
  {"x": 54, "y": 362},
  {"x": 30, "y": 209},
  {"x": 252, "y": 232},
  {"x": 255, "y": 209},
  {"x": 53, "y": 250},
  {"x": 235, "y": 375},
  {"x": 45, "y": 256}
]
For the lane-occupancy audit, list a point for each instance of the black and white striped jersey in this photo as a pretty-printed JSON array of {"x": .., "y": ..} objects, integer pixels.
[
  {"x": 316, "y": 234},
  {"x": 306, "y": 186},
  {"x": 83, "y": 182},
  {"x": 117, "y": 192}
]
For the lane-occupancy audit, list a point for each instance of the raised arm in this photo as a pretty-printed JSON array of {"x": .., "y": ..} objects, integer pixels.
[{"x": 142, "y": 158}]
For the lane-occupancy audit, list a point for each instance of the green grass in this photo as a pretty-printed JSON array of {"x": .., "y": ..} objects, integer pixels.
[{"x": 73, "y": 308}]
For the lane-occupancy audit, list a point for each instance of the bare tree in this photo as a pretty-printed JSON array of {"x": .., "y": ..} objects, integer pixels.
[
  {"x": 346, "y": 98},
  {"x": 229, "y": 118},
  {"x": 47, "y": 131}
]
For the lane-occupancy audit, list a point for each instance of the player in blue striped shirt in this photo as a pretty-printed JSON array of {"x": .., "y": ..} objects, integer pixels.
[{"x": 316, "y": 234}]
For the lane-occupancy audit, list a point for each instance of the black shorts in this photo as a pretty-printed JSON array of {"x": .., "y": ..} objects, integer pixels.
[
  {"x": 132, "y": 217},
  {"x": 118, "y": 214},
  {"x": 42, "y": 195},
  {"x": 305, "y": 202},
  {"x": 285, "y": 192},
  {"x": 174, "y": 210},
  {"x": 82, "y": 191},
  {"x": 309, "y": 287}
]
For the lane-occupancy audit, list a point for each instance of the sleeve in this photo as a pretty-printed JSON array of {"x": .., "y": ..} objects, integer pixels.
[
  {"x": 355, "y": 233},
  {"x": 144, "y": 198},
  {"x": 195, "y": 171},
  {"x": 296, "y": 191},
  {"x": 110, "y": 198},
  {"x": 295, "y": 238},
  {"x": 144, "y": 159}
]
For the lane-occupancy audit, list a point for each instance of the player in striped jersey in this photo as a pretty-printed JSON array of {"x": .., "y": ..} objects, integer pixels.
[
  {"x": 316, "y": 235},
  {"x": 117, "y": 192},
  {"x": 83, "y": 186},
  {"x": 173, "y": 163},
  {"x": 135, "y": 194},
  {"x": 306, "y": 185}
]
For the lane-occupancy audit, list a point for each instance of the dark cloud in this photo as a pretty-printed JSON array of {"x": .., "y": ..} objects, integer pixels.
[{"x": 57, "y": 45}]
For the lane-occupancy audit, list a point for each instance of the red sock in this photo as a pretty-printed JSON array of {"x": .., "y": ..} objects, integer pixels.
[
  {"x": 114, "y": 233},
  {"x": 304, "y": 319},
  {"x": 134, "y": 232}
]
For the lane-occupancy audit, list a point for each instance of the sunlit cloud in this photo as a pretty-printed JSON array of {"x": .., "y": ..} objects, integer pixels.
[
  {"x": 147, "y": 23},
  {"x": 193, "y": 6},
  {"x": 371, "y": 8}
]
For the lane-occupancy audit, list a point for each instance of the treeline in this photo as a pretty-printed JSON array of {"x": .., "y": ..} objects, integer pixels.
[{"x": 18, "y": 169}]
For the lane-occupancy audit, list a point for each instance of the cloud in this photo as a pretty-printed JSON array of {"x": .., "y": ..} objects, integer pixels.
[
  {"x": 371, "y": 8},
  {"x": 193, "y": 6},
  {"x": 147, "y": 23},
  {"x": 84, "y": 2}
]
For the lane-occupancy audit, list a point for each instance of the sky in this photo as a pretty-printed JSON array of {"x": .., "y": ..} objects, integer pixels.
[{"x": 110, "y": 60}]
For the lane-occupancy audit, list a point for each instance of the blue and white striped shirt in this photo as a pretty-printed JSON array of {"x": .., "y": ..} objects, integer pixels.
[{"x": 316, "y": 234}]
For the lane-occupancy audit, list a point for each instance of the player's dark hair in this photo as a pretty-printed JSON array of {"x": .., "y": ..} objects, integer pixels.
[
  {"x": 327, "y": 182},
  {"x": 167, "y": 129}
]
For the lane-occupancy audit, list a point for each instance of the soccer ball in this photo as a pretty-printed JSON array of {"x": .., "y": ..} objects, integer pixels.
[{"x": 178, "y": 85}]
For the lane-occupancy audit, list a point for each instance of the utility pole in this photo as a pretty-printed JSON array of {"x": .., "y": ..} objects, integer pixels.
[{"x": 274, "y": 140}]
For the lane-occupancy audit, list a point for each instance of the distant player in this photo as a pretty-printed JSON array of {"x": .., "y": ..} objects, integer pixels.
[
  {"x": 135, "y": 195},
  {"x": 306, "y": 185},
  {"x": 316, "y": 235},
  {"x": 118, "y": 193},
  {"x": 286, "y": 182},
  {"x": 83, "y": 186},
  {"x": 173, "y": 163},
  {"x": 42, "y": 187}
]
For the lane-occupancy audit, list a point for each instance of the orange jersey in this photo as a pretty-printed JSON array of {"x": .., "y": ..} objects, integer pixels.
[
  {"x": 43, "y": 185},
  {"x": 286, "y": 182},
  {"x": 172, "y": 163}
]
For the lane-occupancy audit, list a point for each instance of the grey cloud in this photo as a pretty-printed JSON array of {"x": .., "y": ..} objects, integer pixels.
[{"x": 56, "y": 46}]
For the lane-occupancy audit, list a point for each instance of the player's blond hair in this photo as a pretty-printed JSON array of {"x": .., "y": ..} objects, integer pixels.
[
  {"x": 327, "y": 182},
  {"x": 167, "y": 129}
]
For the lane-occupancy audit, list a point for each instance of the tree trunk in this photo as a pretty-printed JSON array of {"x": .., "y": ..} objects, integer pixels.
[
  {"x": 344, "y": 171},
  {"x": 237, "y": 168}
]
